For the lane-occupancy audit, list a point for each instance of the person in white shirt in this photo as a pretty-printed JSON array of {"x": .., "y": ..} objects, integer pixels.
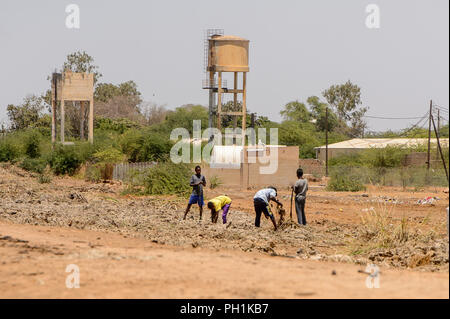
[{"x": 261, "y": 203}]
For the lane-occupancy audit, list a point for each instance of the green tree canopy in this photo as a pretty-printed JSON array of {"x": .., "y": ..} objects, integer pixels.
[
  {"x": 318, "y": 112},
  {"x": 106, "y": 91},
  {"x": 184, "y": 116},
  {"x": 81, "y": 62},
  {"x": 296, "y": 111},
  {"x": 26, "y": 114},
  {"x": 346, "y": 102}
]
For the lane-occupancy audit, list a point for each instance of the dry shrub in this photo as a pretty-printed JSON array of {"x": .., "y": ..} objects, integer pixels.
[
  {"x": 153, "y": 113},
  {"x": 381, "y": 230},
  {"x": 120, "y": 107}
]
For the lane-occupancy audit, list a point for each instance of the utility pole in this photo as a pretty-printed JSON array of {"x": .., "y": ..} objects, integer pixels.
[
  {"x": 440, "y": 149},
  {"x": 326, "y": 141},
  {"x": 438, "y": 130},
  {"x": 429, "y": 135}
]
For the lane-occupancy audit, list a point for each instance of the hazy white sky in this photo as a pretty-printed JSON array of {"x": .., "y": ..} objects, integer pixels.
[{"x": 298, "y": 48}]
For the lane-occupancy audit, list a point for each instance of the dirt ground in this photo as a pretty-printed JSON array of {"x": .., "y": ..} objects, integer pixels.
[{"x": 139, "y": 247}]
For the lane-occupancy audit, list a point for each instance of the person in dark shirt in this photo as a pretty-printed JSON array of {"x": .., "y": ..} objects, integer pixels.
[{"x": 198, "y": 181}]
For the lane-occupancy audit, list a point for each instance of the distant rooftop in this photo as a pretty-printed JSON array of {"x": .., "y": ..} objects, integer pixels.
[{"x": 363, "y": 143}]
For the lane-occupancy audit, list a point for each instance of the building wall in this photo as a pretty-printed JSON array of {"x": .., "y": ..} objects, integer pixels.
[
  {"x": 249, "y": 175},
  {"x": 312, "y": 166}
]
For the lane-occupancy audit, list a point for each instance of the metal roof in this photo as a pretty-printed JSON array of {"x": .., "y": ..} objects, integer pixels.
[{"x": 364, "y": 143}]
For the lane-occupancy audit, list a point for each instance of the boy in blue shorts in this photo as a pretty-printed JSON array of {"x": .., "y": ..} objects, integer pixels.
[{"x": 197, "y": 182}]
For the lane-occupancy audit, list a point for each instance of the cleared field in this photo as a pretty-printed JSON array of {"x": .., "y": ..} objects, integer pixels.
[{"x": 139, "y": 247}]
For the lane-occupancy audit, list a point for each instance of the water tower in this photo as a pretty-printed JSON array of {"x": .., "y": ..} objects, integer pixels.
[
  {"x": 75, "y": 87},
  {"x": 225, "y": 53}
]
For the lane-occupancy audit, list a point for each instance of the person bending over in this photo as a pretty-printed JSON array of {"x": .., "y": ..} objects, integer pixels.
[
  {"x": 261, "y": 203},
  {"x": 219, "y": 203}
]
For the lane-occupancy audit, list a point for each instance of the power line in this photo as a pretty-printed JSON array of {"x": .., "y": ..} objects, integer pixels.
[
  {"x": 441, "y": 108},
  {"x": 392, "y": 118}
]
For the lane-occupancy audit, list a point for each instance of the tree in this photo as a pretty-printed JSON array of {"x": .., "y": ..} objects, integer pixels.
[
  {"x": 318, "y": 112},
  {"x": 106, "y": 91},
  {"x": 231, "y": 120},
  {"x": 346, "y": 101},
  {"x": 82, "y": 62},
  {"x": 153, "y": 113},
  {"x": 118, "y": 101},
  {"x": 183, "y": 117},
  {"x": 26, "y": 114},
  {"x": 296, "y": 111},
  {"x": 120, "y": 106},
  {"x": 300, "y": 134}
]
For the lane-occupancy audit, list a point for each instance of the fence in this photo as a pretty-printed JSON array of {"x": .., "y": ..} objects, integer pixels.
[{"x": 122, "y": 171}]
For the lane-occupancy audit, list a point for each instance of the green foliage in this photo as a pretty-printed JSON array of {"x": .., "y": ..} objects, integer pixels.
[
  {"x": 387, "y": 157},
  {"x": 318, "y": 112},
  {"x": 346, "y": 101},
  {"x": 294, "y": 133},
  {"x": 93, "y": 173},
  {"x": 109, "y": 155},
  {"x": 106, "y": 91},
  {"x": 64, "y": 160},
  {"x": 26, "y": 114},
  {"x": 184, "y": 116},
  {"x": 296, "y": 111},
  {"x": 145, "y": 146},
  {"x": 345, "y": 181},
  {"x": 384, "y": 157},
  {"x": 81, "y": 62},
  {"x": 444, "y": 131},
  {"x": 8, "y": 150},
  {"x": 118, "y": 125},
  {"x": 36, "y": 165},
  {"x": 32, "y": 144},
  {"x": 346, "y": 160},
  {"x": 44, "y": 178},
  {"x": 168, "y": 178}
]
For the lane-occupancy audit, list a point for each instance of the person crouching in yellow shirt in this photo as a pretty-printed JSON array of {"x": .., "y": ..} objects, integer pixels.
[{"x": 219, "y": 203}]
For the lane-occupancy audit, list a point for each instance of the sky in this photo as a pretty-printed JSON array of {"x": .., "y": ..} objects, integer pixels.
[{"x": 297, "y": 49}]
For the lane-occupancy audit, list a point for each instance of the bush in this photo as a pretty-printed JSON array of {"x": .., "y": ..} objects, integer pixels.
[
  {"x": 64, "y": 160},
  {"x": 344, "y": 181},
  {"x": 214, "y": 182},
  {"x": 110, "y": 155},
  {"x": 119, "y": 125},
  {"x": 44, "y": 178},
  {"x": 93, "y": 173},
  {"x": 144, "y": 146},
  {"x": 8, "y": 151},
  {"x": 36, "y": 165},
  {"x": 168, "y": 178},
  {"x": 154, "y": 148},
  {"x": 31, "y": 143}
]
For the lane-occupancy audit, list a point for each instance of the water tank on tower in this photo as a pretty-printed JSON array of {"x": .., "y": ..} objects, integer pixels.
[{"x": 228, "y": 54}]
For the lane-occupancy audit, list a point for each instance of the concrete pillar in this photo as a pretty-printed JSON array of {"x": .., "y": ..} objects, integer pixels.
[
  {"x": 53, "y": 121},
  {"x": 91, "y": 121},
  {"x": 62, "y": 120},
  {"x": 82, "y": 111},
  {"x": 219, "y": 101}
]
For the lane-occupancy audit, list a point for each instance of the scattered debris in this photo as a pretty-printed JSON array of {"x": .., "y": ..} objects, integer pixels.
[{"x": 428, "y": 201}]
